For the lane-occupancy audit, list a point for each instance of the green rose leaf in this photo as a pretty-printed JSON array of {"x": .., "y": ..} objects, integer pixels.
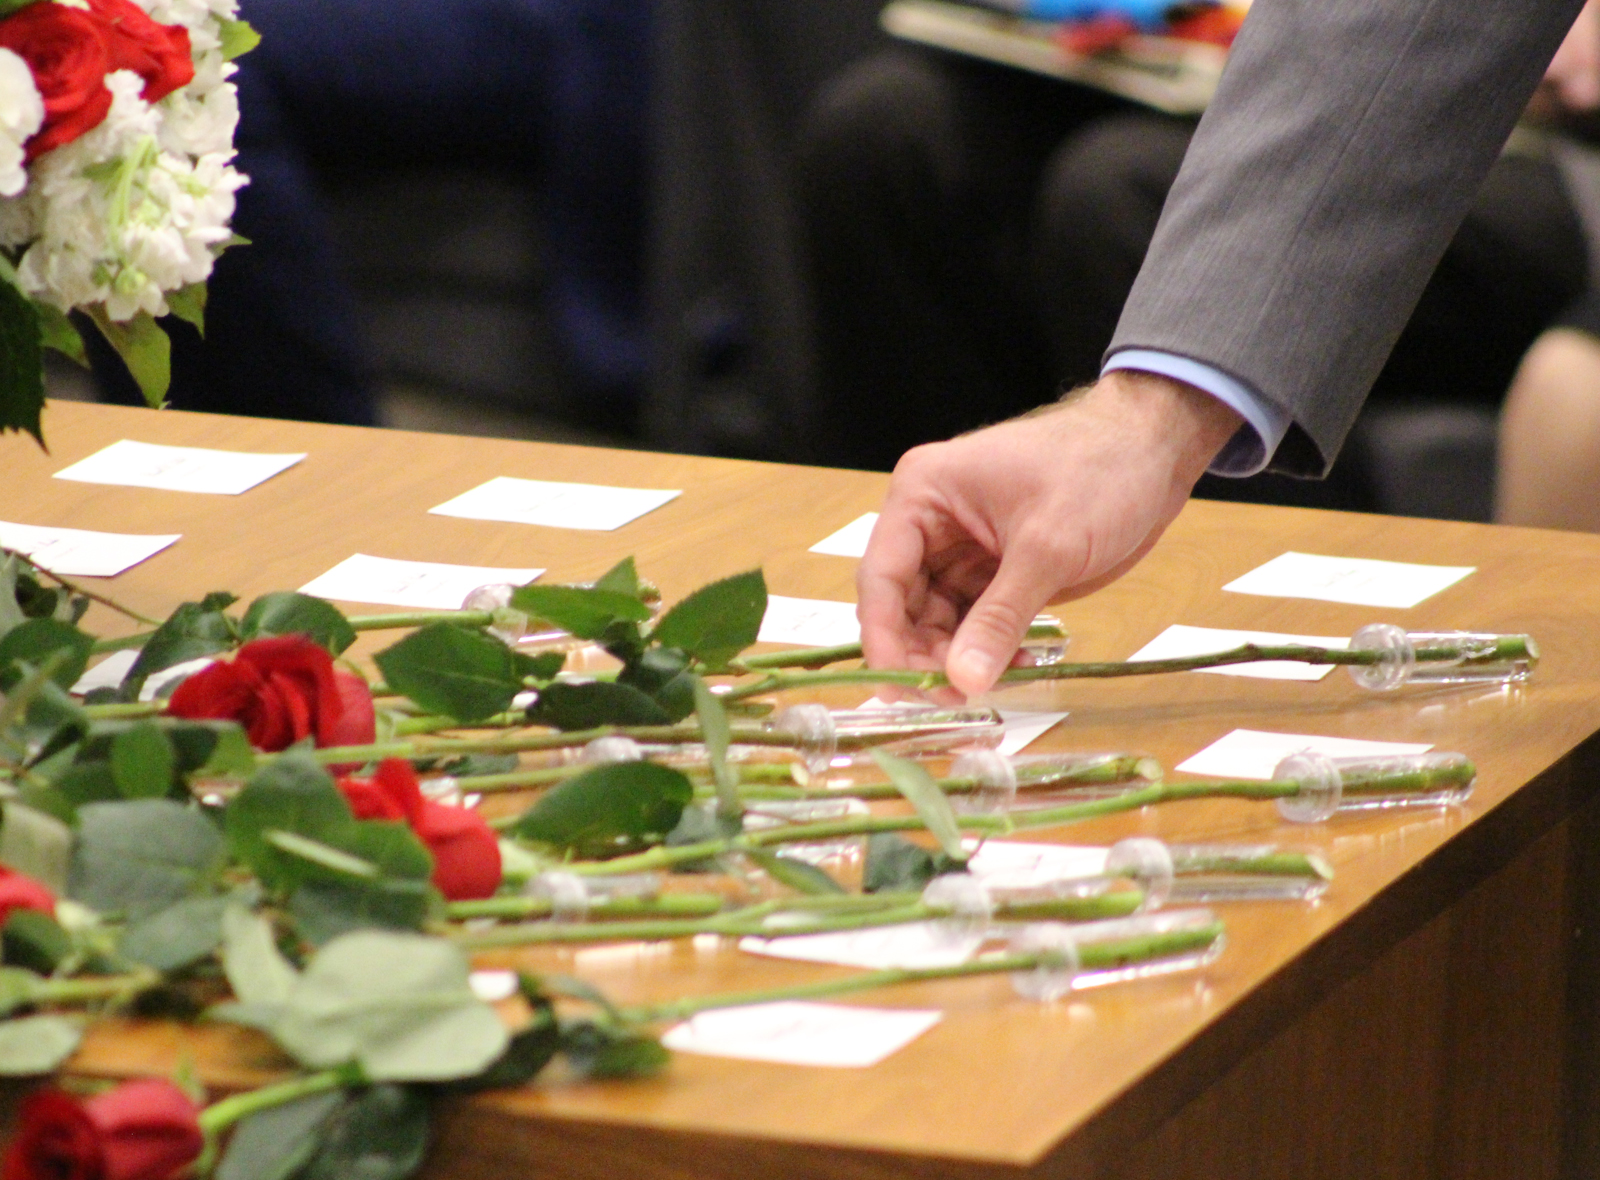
[
  {"x": 525, "y": 1057},
  {"x": 796, "y": 874},
  {"x": 398, "y": 1005},
  {"x": 142, "y": 856},
  {"x": 391, "y": 892},
  {"x": 85, "y": 782},
  {"x": 195, "y": 629},
  {"x": 256, "y": 970},
  {"x": 58, "y": 332},
  {"x": 34, "y": 940},
  {"x": 176, "y": 936},
  {"x": 34, "y": 843},
  {"x": 714, "y": 724},
  {"x": 32, "y": 1045},
  {"x": 291, "y": 794},
  {"x": 189, "y": 303},
  {"x": 142, "y": 762},
  {"x": 622, "y": 578},
  {"x": 932, "y": 804},
  {"x": 458, "y": 671},
  {"x": 18, "y": 989},
  {"x": 599, "y": 1051},
  {"x": 11, "y": 612},
  {"x": 717, "y": 621},
  {"x": 21, "y": 363},
  {"x": 285, "y": 612},
  {"x": 237, "y": 37},
  {"x": 378, "y": 1134},
  {"x": 896, "y": 865},
  {"x": 623, "y": 801},
  {"x": 276, "y": 1143},
  {"x": 662, "y": 674},
  {"x": 598, "y": 702},
  {"x": 543, "y": 666},
  {"x": 35, "y": 640},
  {"x": 583, "y": 611},
  {"x": 144, "y": 347}
]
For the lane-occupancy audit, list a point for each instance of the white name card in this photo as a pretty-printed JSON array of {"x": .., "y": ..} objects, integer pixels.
[
  {"x": 1179, "y": 640},
  {"x": 809, "y": 622},
  {"x": 1255, "y": 754},
  {"x": 555, "y": 505},
  {"x": 793, "y": 1032},
  {"x": 177, "y": 469},
  {"x": 850, "y": 541},
  {"x": 420, "y": 585},
  {"x": 80, "y": 552},
  {"x": 1358, "y": 581}
]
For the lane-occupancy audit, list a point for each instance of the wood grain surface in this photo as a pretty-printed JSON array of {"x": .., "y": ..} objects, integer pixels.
[{"x": 1387, "y": 1029}]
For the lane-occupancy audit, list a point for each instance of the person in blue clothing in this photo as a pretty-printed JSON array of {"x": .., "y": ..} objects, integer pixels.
[{"x": 554, "y": 91}]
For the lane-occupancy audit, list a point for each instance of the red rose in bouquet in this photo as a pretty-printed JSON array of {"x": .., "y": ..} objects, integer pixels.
[
  {"x": 160, "y": 54},
  {"x": 143, "y": 1130},
  {"x": 466, "y": 852},
  {"x": 21, "y": 892},
  {"x": 281, "y": 690},
  {"x": 66, "y": 50},
  {"x": 71, "y": 50}
]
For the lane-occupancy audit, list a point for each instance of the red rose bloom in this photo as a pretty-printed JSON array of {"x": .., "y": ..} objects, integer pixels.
[
  {"x": 466, "y": 852},
  {"x": 71, "y": 51},
  {"x": 21, "y": 892},
  {"x": 281, "y": 690},
  {"x": 160, "y": 54},
  {"x": 144, "y": 1130},
  {"x": 67, "y": 52}
]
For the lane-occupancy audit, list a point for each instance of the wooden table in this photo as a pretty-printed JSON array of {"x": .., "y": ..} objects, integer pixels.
[{"x": 1433, "y": 1015}]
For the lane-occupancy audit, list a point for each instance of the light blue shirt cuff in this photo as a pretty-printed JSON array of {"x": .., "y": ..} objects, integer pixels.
[{"x": 1264, "y": 425}]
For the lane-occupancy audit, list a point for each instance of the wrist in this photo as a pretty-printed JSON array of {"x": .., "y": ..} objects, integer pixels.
[{"x": 1172, "y": 415}]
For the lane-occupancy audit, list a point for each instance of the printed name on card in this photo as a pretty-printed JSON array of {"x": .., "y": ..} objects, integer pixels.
[
  {"x": 555, "y": 505},
  {"x": 80, "y": 552},
  {"x": 1358, "y": 581},
  {"x": 420, "y": 585},
  {"x": 177, "y": 469}
]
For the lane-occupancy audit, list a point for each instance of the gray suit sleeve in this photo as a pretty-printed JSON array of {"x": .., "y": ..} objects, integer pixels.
[{"x": 1343, "y": 149}]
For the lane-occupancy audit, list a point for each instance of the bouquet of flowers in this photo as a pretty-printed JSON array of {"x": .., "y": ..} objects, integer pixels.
[{"x": 116, "y": 179}]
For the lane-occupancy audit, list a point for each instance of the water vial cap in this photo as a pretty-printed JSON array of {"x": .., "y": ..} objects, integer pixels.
[
  {"x": 615, "y": 748},
  {"x": 566, "y": 892},
  {"x": 1149, "y": 862},
  {"x": 964, "y": 900},
  {"x": 1397, "y": 657},
  {"x": 996, "y": 778},
  {"x": 1053, "y": 978},
  {"x": 1321, "y": 787},
  {"x": 815, "y": 736}
]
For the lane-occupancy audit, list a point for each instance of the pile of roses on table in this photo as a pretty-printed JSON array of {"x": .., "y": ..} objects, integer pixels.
[{"x": 281, "y": 690}]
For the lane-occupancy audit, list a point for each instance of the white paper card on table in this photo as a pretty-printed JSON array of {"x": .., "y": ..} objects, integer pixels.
[
  {"x": 912, "y": 945},
  {"x": 850, "y": 541},
  {"x": 1019, "y": 727},
  {"x": 114, "y": 669},
  {"x": 1006, "y": 864},
  {"x": 555, "y": 505},
  {"x": 81, "y": 552},
  {"x": 177, "y": 469},
  {"x": 809, "y": 622},
  {"x": 1254, "y": 753},
  {"x": 420, "y": 585},
  {"x": 1359, "y": 581},
  {"x": 1179, "y": 640},
  {"x": 793, "y": 1032}
]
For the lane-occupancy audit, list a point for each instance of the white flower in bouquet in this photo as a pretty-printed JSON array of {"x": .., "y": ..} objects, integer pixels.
[{"x": 21, "y": 114}]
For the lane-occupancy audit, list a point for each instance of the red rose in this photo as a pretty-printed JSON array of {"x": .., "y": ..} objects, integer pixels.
[
  {"x": 71, "y": 51},
  {"x": 281, "y": 690},
  {"x": 67, "y": 52},
  {"x": 159, "y": 54},
  {"x": 20, "y": 892},
  {"x": 466, "y": 852},
  {"x": 144, "y": 1130}
]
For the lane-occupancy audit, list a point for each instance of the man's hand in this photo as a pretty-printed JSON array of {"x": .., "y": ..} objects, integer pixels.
[{"x": 978, "y": 533}]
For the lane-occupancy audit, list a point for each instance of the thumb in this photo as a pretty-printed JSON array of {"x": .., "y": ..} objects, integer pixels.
[{"x": 997, "y": 623}]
